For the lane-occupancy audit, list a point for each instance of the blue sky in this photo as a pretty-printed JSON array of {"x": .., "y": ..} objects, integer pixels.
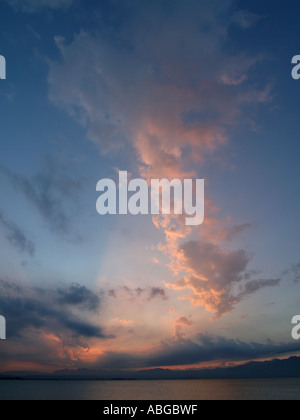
[{"x": 160, "y": 89}]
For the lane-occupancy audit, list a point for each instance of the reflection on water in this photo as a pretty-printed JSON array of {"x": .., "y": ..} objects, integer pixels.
[{"x": 253, "y": 389}]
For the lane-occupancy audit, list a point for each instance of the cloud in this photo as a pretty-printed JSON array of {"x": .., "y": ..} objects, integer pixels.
[
  {"x": 47, "y": 191},
  {"x": 213, "y": 273},
  {"x": 44, "y": 310},
  {"x": 293, "y": 272},
  {"x": 183, "y": 320},
  {"x": 237, "y": 230},
  {"x": 203, "y": 348},
  {"x": 179, "y": 324},
  {"x": 246, "y": 19},
  {"x": 148, "y": 293},
  {"x": 166, "y": 83},
  {"x": 217, "y": 277},
  {"x": 206, "y": 348},
  {"x": 157, "y": 292},
  {"x": 296, "y": 272},
  {"x": 255, "y": 285},
  {"x": 38, "y": 5},
  {"x": 163, "y": 81},
  {"x": 16, "y": 237},
  {"x": 76, "y": 295},
  {"x": 64, "y": 336}
]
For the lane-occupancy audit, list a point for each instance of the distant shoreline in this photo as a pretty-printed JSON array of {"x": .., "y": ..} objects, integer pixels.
[{"x": 273, "y": 369}]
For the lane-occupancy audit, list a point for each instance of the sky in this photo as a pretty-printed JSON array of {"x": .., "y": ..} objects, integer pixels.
[{"x": 161, "y": 89}]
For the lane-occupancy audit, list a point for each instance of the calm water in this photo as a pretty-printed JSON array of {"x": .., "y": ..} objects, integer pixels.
[{"x": 253, "y": 389}]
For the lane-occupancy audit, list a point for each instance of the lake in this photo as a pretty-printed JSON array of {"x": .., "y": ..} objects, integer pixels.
[{"x": 250, "y": 389}]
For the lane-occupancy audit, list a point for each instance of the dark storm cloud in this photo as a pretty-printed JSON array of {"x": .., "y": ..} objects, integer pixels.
[
  {"x": 47, "y": 191},
  {"x": 39, "y": 309},
  {"x": 16, "y": 237}
]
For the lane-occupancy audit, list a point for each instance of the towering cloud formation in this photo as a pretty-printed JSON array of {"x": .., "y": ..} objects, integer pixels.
[{"x": 167, "y": 83}]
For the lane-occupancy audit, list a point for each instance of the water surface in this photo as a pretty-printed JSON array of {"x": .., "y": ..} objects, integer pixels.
[{"x": 250, "y": 389}]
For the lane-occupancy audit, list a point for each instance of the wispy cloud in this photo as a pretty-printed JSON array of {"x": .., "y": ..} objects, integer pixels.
[
  {"x": 16, "y": 237},
  {"x": 246, "y": 19},
  {"x": 293, "y": 272},
  {"x": 47, "y": 191}
]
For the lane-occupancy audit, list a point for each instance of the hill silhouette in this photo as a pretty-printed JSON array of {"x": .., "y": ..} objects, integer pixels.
[{"x": 287, "y": 368}]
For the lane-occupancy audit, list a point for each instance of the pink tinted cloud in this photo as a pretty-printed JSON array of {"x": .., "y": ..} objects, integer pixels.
[{"x": 172, "y": 95}]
